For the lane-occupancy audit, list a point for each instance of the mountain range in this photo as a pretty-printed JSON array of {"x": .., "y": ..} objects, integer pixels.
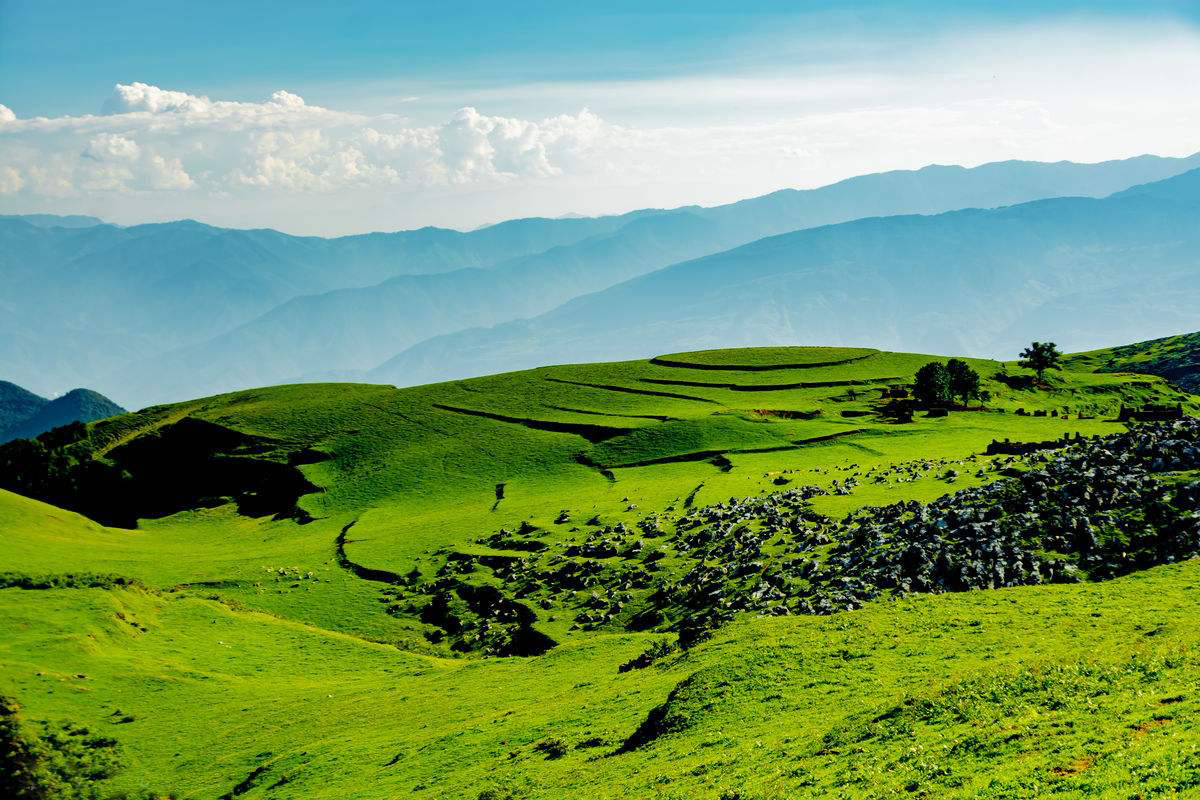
[
  {"x": 79, "y": 303},
  {"x": 24, "y": 415},
  {"x": 1079, "y": 271},
  {"x": 159, "y": 312}
]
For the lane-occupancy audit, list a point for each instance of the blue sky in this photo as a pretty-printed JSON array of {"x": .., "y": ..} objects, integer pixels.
[
  {"x": 572, "y": 107},
  {"x": 59, "y": 57}
]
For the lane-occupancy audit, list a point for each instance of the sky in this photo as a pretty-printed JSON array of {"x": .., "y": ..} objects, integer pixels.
[{"x": 329, "y": 119}]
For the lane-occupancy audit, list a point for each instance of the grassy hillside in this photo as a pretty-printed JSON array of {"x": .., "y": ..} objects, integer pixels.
[
  {"x": 1055, "y": 691},
  {"x": 1175, "y": 358},
  {"x": 478, "y": 589}
]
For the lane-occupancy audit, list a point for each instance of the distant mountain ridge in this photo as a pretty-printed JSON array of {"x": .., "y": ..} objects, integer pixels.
[
  {"x": 24, "y": 415},
  {"x": 76, "y": 304},
  {"x": 355, "y": 329},
  {"x": 1079, "y": 271},
  {"x": 160, "y": 312},
  {"x": 55, "y": 220}
]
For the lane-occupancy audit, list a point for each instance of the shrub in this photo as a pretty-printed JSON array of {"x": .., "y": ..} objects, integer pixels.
[
  {"x": 651, "y": 654},
  {"x": 494, "y": 794},
  {"x": 67, "y": 580},
  {"x": 553, "y": 748},
  {"x": 44, "y": 761}
]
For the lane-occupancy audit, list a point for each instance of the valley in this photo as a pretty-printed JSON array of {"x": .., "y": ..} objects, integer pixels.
[{"x": 642, "y": 578}]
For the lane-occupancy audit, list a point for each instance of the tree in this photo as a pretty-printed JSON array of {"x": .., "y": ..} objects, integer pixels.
[
  {"x": 964, "y": 381},
  {"x": 931, "y": 387},
  {"x": 1041, "y": 356},
  {"x": 40, "y": 761}
]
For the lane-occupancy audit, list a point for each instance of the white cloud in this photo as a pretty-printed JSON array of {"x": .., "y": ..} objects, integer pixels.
[
  {"x": 112, "y": 147},
  {"x": 286, "y": 163},
  {"x": 115, "y": 163},
  {"x": 287, "y": 99},
  {"x": 474, "y": 146},
  {"x": 11, "y": 181},
  {"x": 143, "y": 97},
  {"x": 136, "y": 96},
  {"x": 153, "y": 139},
  {"x": 167, "y": 173}
]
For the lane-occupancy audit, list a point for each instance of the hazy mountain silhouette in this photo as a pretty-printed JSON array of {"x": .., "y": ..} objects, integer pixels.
[
  {"x": 55, "y": 220},
  {"x": 1083, "y": 272},
  {"x": 356, "y": 326},
  {"x": 164, "y": 311},
  {"x": 77, "y": 303}
]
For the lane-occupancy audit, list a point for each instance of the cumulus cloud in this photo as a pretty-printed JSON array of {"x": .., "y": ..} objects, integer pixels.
[
  {"x": 11, "y": 181},
  {"x": 101, "y": 165},
  {"x": 112, "y": 147},
  {"x": 474, "y": 146},
  {"x": 143, "y": 97},
  {"x": 154, "y": 139},
  {"x": 287, "y": 99},
  {"x": 166, "y": 173}
]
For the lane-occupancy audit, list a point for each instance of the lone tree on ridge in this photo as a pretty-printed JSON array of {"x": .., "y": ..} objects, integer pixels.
[{"x": 1041, "y": 356}]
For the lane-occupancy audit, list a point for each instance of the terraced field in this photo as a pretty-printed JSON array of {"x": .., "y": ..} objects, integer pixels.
[{"x": 339, "y": 590}]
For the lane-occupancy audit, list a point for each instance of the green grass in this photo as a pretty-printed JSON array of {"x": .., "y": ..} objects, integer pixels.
[
  {"x": 1059, "y": 691},
  {"x": 1176, "y": 358},
  {"x": 769, "y": 357},
  {"x": 251, "y": 647}
]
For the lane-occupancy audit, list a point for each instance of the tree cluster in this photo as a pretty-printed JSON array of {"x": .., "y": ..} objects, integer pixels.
[{"x": 937, "y": 385}]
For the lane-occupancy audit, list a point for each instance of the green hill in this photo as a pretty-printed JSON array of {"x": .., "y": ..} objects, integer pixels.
[
  {"x": 1175, "y": 358},
  {"x": 621, "y": 579}
]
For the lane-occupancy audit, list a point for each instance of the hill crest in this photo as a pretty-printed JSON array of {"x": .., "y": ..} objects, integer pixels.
[{"x": 77, "y": 405}]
